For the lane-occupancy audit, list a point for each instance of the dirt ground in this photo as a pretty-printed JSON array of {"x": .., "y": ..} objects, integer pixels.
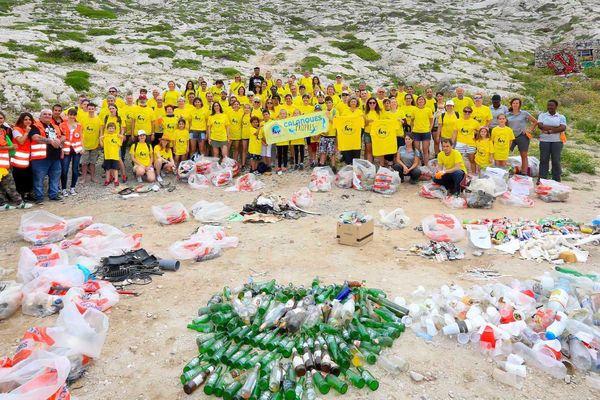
[{"x": 148, "y": 343}]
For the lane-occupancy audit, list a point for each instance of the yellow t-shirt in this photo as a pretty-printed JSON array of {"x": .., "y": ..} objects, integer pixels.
[
  {"x": 141, "y": 152},
  {"x": 81, "y": 115},
  {"x": 421, "y": 118},
  {"x": 430, "y": 103},
  {"x": 459, "y": 105},
  {"x": 484, "y": 147},
  {"x": 199, "y": 116},
  {"x": 370, "y": 115},
  {"x": 214, "y": 89},
  {"x": 182, "y": 137},
  {"x": 246, "y": 126},
  {"x": 255, "y": 142},
  {"x": 186, "y": 93},
  {"x": 257, "y": 112},
  {"x": 332, "y": 114},
  {"x": 152, "y": 103},
  {"x": 235, "y": 86},
  {"x": 448, "y": 124},
  {"x": 202, "y": 94},
  {"x": 144, "y": 117},
  {"x": 169, "y": 126},
  {"x": 108, "y": 119},
  {"x": 397, "y": 116},
  {"x": 165, "y": 154},
  {"x": 408, "y": 112},
  {"x": 127, "y": 117},
  {"x": 307, "y": 82},
  {"x": 91, "y": 132},
  {"x": 170, "y": 97},
  {"x": 185, "y": 114},
  {"x": 243, "y": 100},
  {"x": 466, "y": 131},
  {"x": 338, "y": 88},
  {"x": 235, "y": 129},
  {"x": 482, "y": 114},
  {"x": 450, "y": 161},
  {"x": 218, "y": 124},
  {"x": 119, "y": 102},
  {"x": 501, "y": 137},
  {"x": 112, "y": 146},
  {"x": 159, "y": 115}
]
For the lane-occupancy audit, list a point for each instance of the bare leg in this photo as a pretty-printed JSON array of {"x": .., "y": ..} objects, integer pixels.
[
  {"x": 524, "y": 162},
  {"x": 93, "y": 173},
  {"x": 425, "y": 149},
  {"x": 244, "y": 151}
]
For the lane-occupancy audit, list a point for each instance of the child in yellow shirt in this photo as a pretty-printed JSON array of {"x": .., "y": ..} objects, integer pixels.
[
  {"x": 502, "y": 136},
  {"x": 255, "y": 144},
  {"x": 484, "y": 155},
  {"x": 111, "y": 141},
  {"x": 182, "y": 137}
]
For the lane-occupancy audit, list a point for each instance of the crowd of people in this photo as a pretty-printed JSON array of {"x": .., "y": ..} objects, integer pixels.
[{"x": 153, "y": 132}]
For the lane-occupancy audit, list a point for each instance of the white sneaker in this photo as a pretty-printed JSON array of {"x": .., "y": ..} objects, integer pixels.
[
  {"x": 159, "y": 178},
  {"x": 139, "y": 179},
  {"x": 73, "y": 192},
  {"x": 65, "y": 193}
]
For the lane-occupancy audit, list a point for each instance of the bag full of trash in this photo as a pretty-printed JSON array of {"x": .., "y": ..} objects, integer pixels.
[
  {"x": 364, "y": 174},
  {"x": 396, "y": 219},
  {"x": 552, "y": 191},
  {"x": 343, "y": 178},
  {"x": 170, "y": 213},
  {"x": 321, "y": 179},
  {"x": 443, "y": 228}
]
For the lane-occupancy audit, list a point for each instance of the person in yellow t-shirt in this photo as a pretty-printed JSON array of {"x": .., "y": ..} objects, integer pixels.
[
  {"x": 255, "y": 144},
  {"x": 372, "y": 113},
  {"x": 282, "y": 90},
  {"x": 141, "y": 156},
  {"x": 153, "y": 100},
  {"x": 246, "y": 132},
  {"x": 189, "y": 104},
  {"x": 484, "y": 157},
  {"x": 235, "y": 113},
  {"x": 170, "y": 96},
  {"x": 447, "y": 121},
  {"x": 407, "y": 108},
  {"x": 256, "y": 108},
  {"x": 396, "y": 114},
  {"x": 182, "y": 137},
  {"x": 159, "y": 114},
  {"x": 111, "y": 140},
  {"x": 464, "y": 135},
  {"x": 269, "y": 81},
  {"x": 481, "y": 113},
  {"x": 461, "y": 101},
  {"x": 453, "y": 168},
  {"x": 330, "y": 91},
  {"x": 327, "y": 144},
  {"x": 114, "y": 93},
  {"x": 502, "y": 137},
  {"x": 190, "y": 88},
  {"x": 144, "y": 118},
  {"x": 202, "y": 90},
  {"x": 114, "y": 118},
  {"x": 217, "y": 88},
  {"x": 241, "y": 96},
  {"x": 199, "y": 116},
  {"x": 307, "y": 81},
  {"x": 421, "y": 125},
  {"x": 217, "y": 131},
  {"x": 429, "y": 99},
  {"x": 182, "y": 112},
  {"x": 90, "y": 128},
  {"x": 163, "y": 158},
  {"x": 282, "y": 148},
  {"x": 338, "y": 85},
  {"x": 170, "y": 121}
]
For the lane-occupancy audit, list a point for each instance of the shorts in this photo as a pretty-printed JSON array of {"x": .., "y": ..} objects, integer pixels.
[
  {"x": 464, "y": 149},
  {"x": 110, "y": 164},
  {"x": 366, "y": 137},
  {"x": 197, "y": 135},
  {"x": 255, "y": 157},
  {"x": 522, "y": 142},
  {"x": 90, "y": 157},
  {"x": 266, "y": 150},
  {"x": 218, "y": 144},
  {"x": 327, "y": 145},
  {"x": 420, "y": 137}
]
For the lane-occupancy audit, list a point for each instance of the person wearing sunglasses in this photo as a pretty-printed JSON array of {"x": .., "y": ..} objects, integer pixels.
[
  {"x": 112, "y": 91},
  {"x": 372, "y": 113},
  {"x": 481, "y": 113},
  {"x": 464, "y": 136}
]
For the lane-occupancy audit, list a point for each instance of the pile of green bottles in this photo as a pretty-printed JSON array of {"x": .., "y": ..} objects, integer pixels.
[{"x": 264, "y": 341}]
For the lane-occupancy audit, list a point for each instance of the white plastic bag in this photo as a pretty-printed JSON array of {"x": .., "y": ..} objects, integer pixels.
[
  {"x": 206, "y": 243},
  {"x": 246, "y": 183},
  {"x": 494, "y": 187},
  {"x": 10, "y": 298},
  {"x": 41, "y": 376},
  {"x": 204, "y": 211},
  {"x": 431, "y": 190},
  {"x": 364, "y": 174},
  {"x": 41, "y": 227},
  {"x": 76, "y": 224},
  {"x": 443, "y": 228},
  {"x": 198, "y": 181},
  {"x": 343, "y": 179},
  {"x": 321, "y": 179},
  {"x": 534, "y": 165},
  {"x": 427, "y": 173},
  {"x": 220, "y": 176},
  {"x": 520, "y": 185},
  {"x": 515, "y": 200},
  {"x": 170, "y": 213},
  {"x": 302, "y": 198},
  {"x": 386, "y": 181},
  {"x": 37, "y": 259},
  {"x": 231, "y": 164},
  {"x": 100, "y": 240},
  {"x": 204, "y": 165},
  {"x": 396, "y": 219},
  {"x": 550, "y": 191},
  {"x": 98, "y": 294},
  {"x": 454, "y": 202},
  {"x": 185, "y": 169}
]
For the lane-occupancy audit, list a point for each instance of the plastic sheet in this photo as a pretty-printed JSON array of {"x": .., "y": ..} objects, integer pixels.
[
  {"x": 396, "y": 219},
  {"x": 302, "y": 198},
  {"x": 198, "y": 181},
  {"x": 10, "y": 298},
  {"x": 455, "y": 202},
  {"x": 432, "y": 190},
  {"x": 443, "y": 228},
  {"x": 343, "y": 179},
  {"x": 205, "y": 211},
  {"x": 321, "y": 179},
  {"x": 364, "y": 174},
  {"x": 170, "y": 213},
  {"x": 246, "y": 183},
  {"x": 386, "y": 181},
  {"x": 552, "y": 191}
]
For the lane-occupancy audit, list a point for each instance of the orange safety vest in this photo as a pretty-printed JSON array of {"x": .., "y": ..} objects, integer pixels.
[
  {"x": 21, "y": 157},
  {"x": 4, "y": 156},
  {"x": 38, "y": 150},
  {"x": 72, "y": 140}
]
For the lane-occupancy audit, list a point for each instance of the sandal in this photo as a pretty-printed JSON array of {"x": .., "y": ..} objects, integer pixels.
[{"x": 125, "y": 191}]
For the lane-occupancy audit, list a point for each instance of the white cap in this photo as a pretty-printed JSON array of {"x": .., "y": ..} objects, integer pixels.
[
  {"x": 142, "y": 132},
  {"x": 449, "y": 103}
]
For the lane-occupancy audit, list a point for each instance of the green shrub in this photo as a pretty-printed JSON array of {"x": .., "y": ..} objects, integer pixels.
[
  {"x": 67, "y": 54},
  {"x": 157, "y": 53},
  {"x": 186, "y": 63},
  {"x": 227, "y": 71},
  {"x": 155, "y": 28},
  {"x": 114, "y": 41},
  {"x": 592, "y": 72},
  {"x": 78, "y": 80},
  {"x": 71, "y": 35},
  {"x": 225, "y": 55},
  {"x": 7, "y": 56},
  {"x": 95, "y": 13},
  {"x": 311, "y": 62},
  {"x": 578, "y": 161},
  {"x": 101, "y": 31},
  {"x": 357, "y": 46}
]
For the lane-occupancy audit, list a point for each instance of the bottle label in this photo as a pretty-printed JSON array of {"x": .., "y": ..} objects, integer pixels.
[{"x": 559, "y": 296}]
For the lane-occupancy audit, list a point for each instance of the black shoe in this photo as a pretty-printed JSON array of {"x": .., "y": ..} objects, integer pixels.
[
  {"x": 57, "y": 198},
  {"x": 413, "y": 181},
  {"x": 39, "y": 201}
]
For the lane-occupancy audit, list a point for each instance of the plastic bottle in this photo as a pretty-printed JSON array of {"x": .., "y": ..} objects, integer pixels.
[
  {"x": 393, "y": 364},
  {"x": 580, "y": 355},
  {"x": 541, "y": 361},
  {"x": 507, "y": 378},
  {"x": 557, "y": 328},
  {"x": 559, "y": 298}
]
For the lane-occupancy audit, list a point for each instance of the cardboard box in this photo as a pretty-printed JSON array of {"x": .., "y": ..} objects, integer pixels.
[{"x": 355, "y": 235}]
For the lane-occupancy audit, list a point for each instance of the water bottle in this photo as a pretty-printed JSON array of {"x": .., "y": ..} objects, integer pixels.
[
  {"x": 555, "y": 329},
  {"x": 559, "y": 297}
]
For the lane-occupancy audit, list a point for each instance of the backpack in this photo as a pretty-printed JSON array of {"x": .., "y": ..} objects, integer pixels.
[{"x": 455, "y": 113}]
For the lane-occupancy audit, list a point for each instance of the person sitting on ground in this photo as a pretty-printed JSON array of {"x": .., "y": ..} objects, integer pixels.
[
  {"x": 408, "y": 160},
  {"x": 453, "y": 168},
  {"x": 163, "y": 158},
  {"x": 141, "y": 155}
]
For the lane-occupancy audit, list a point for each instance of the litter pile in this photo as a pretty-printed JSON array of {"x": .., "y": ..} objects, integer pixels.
[
  {"x": 439, "y": 251},
  {"x": 549, "y": 323},
  {"x": 264, "y": 340},
  {"x": 131, "y": 268},
  {"x": 269, "y": 208}
]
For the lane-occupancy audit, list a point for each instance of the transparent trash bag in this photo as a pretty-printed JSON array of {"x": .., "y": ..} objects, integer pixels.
[
  {"x": 396, "y": 219},
  {"x": 204, "y": 165},
  {"x": 443, "y": 228},
  {"x": 198, "y": 181},
  {"x": 246, "y": 183},
  {"x": 520, "y": 185},
  {"x": 386, "y": 181},
  {"x": 205, "y": 211},
  {"x": 11, "y": 297},
  {"x": 364, "y": 174},
  {"x": 302, "y": 198},
  {"x": 220, "y": 176},
  {"x": 432, "y": 190},
  {"x": 170, "y": 213},
  {"x": 231, "y": 164},
  {"x": 343, "y": 178},
  {"x": 454, "y": 202},
  {"x": 321, "y": 179},
  {"x": 552, "y": 191},
  {"x": 515, "y": 200}
]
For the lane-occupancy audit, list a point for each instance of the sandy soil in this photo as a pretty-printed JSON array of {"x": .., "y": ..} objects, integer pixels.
[{"x": 148, "y": 342}]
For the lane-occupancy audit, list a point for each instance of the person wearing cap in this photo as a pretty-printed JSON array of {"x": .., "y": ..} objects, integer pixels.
[
  {"x": 496, "y": 109},
  {"x": 464, "y": 137},
  {"x": 90, "y": 128},
  {"x": 447, "y": 121},
  {"x": 255, "y": 79},
  {"x": 461, "y": 101},
  {"x": 320, "y": 99},
  {"x": 112, "y": 91},
  {"x": 256, "y": 108},
  {"x": 171, "y": 94},
  {"x": 342, "y": 105},
  {"x": 217, "y": 130},
  {"x": 481, "y": 113},
  {"x": 144, "y": 118},
  {"x": 338, "y": 85},
  {"x": 142, "y": 157}
]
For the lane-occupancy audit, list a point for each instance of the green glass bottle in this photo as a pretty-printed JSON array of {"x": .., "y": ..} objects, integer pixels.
[
  {"x": 230, "y": 352},
  {"x": 234, "y": 332},
  {"x": 193, "y": 363},
  {"x": 224, "y": 380},
  {"x": 192, "y": 373},
  {"x": 289, "y": 383},
  {"x": 201, "y": 319},
  {"x": 221, "y": 307},
  {"x": 274, "y": 343},
  {"x": 288, "y": 348},
  {"x": 209, "y": 387},
  {"x": 362, "y": 332},
  {"x": 300, "y": 389},
  {"x": 255, "y": 340},
  {"x": 366, "y": 321},
  {"x": 205, "y": 328},
  {"x": 215, "y": 346},
  {"x": 233, "y": 324},
  {"x": 268, "y": 287},
  {"x": 384, "y": 341},
  {"x": 372, "y": 383},
  {"x": 232, "y": 390},
  {"x": 355, "y": 378},
  {"x": 243, "y": 360},
  {"x": 277, "y": 396},
  {"x": 268, "y": 359},
  {"x": 254, "y": 360},
  {"x": 321, "y": 383},
  {"x": 370, "y": 346},
  {"x": 375, "y": 292},
  {"x": 208, "y": 343},
  {"x": 221, "y": 318},
  {"x": 256, "y": 323},
  {"x": 233, "y": 360},
  {"x": 386, "y": 314},
  {"x": 267, "y": 338},
  {"x": 203, "y": 311},
  {"x": 332, "y": 347},
  {"x": 339, "y": 385},
  {"x": 264, "y": 305},
  {"x": 216, "y": 358},
  {"x": 241, "y": 335},
  {"x": 227, "y": 293}
]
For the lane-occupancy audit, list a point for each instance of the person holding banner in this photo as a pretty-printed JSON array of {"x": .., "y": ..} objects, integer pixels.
[
  {"x": 297, "y": 144},
  {"x": 266, "y": 148},
  {"x": 282, "y": 148},
  {"x": 383, "y": 137},
  {"x": 372, "y": 114},
  {"x": 349, "y": 126},
  {"x": 327, "y": 146},
  {"x": 421, "y": 126}
]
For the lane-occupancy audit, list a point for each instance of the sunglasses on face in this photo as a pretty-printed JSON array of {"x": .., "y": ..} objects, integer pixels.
[
  {"x": 372, "y": 102},
  {"x": 467, "y": 112},
  {"x": 477, "y": 98}
]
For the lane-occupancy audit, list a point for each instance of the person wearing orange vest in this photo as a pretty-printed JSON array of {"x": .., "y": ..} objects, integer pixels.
[
  {"x": 9, "y": 197},
  {"x": 20, "y": 160},
  {"x": 72, "y": 149},
  {"x": 46, "y": 150}
]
